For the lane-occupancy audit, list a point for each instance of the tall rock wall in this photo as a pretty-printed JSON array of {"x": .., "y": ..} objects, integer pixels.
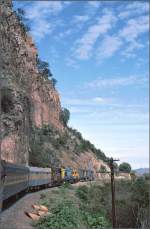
[{"x": 27, "y": 99}]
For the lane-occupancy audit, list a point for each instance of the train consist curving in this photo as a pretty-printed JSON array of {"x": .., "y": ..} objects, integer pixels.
[{"x": 19, "y": 178}]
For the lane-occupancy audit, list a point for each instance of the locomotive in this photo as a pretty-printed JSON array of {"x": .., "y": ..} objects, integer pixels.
[{"x": 18, "y": 178}]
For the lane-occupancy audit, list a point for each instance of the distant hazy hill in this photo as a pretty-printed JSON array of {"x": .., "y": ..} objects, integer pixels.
[{"x": 141, "y": 171}]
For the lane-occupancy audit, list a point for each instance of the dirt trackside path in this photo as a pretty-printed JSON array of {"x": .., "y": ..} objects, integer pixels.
[{"x": 15, "y": 218}]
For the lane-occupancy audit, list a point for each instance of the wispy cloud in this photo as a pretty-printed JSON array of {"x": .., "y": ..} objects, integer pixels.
[
  {"x": 41, "y": 9},
  {"x": 134, "y": 8},
  {"x": 39, "y": 15},
  {"x": 117, "y": 81},
  {"x": 94, "y": 4},
  {"x": 70, "y": 62},
  {"x": 134, "y": 28},
  {"x": 129, "y": 51},
  {"x": 87, "y": 102},
  {"x": 108, "y": 47},
  {"x": 86, "y": 44},
  {"x": 80, "y": 18},
  {"x": 127, "y": 37}
]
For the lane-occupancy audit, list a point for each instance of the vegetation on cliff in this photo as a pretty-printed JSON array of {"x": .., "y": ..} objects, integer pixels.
[{"x": 47, "y": 143}]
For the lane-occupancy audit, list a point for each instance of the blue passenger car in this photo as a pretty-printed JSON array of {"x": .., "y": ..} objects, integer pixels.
[
  {"x": 39, "y": 177},
  {"x": 16, "y": 179}
]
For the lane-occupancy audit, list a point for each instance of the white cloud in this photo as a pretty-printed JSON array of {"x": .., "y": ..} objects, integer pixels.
[
  {"x": 79, "y": 110},
  {"x": 41, "y": 9},
  {"x": 98, "y": 100},
  {"x": 132, "y": 46},
  {"x": 134, "y": 28},
  {"x": 80, "y": 18},
  {"x": 86, "y": 43},
  {"x": 108, "y": 47},
  {"x": 94, "y": 4},
  {"x": 130, "y": 33},
  {"x": 126, "y": 36},
  {"x": 43, "y": 28},
  {"x": 65, "y": 33},
  {"x": 39, "y": 13},
  {"x": 134, "y": 8},
  {"x": 118, "y": 81},
  {"x": 86, "y": 102},
  {"x": 70, "y": 62}
]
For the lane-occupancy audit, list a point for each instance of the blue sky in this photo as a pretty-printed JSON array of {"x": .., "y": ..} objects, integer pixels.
[{"x": 98, "y": 52}]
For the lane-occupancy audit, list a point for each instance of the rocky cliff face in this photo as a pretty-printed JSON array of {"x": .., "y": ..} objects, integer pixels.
[
  {"x": 30, "y": 105},
  {"x": 26, "y": 97}
]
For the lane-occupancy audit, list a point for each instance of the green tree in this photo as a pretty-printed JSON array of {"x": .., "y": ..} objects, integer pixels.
[
  {"x": 64, "y": 116},
  {"x": 20, "y": 14},
  {"x": 125, "y": 167},
  {"x": 43, "y": 68},
  {"x": 54, "y": 82}
]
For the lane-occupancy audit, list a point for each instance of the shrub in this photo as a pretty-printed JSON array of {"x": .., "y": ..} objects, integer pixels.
[
  {"x": 82, "y": 193},
  {"x": 95, "y": 221},
  {"x": 65, "y": 215},
  {"x": 43, "y": 68},
  {"x": 125, "y": 167},
  {"x": 54, "y": 82},
  {"x": 47, "y": 130},
  {"x": 103, "y": 169},
  {"x": 64, "y": 116}
]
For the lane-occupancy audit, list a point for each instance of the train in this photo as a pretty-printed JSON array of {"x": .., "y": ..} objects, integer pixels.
[{"x": 19, "y": 178}]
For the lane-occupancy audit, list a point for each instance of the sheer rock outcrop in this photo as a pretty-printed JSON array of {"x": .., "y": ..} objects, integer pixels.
[{"x": 26, "y": 97}]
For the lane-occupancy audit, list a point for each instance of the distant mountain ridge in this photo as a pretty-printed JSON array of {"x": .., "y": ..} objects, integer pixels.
[{"x": 141, "y": 171}]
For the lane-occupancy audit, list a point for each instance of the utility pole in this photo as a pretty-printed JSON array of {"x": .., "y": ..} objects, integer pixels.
[
  {"x": 111, "y": 165},
  {"x": 112, "y": 172},
  {"x": 0, "y": 156}
]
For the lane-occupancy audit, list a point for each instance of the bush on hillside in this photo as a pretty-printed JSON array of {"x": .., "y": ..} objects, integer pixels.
[
  {"x": 125, "y": 167},
  {"x": 54, "y": 82},
  {"x": 65, "y": 215},
  {"x": 64, "y": 116},
  {"x": 82, "y": 192},
  {"x": 43, "y": 68}
]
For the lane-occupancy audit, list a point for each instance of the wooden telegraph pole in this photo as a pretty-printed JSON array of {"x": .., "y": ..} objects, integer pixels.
[
  {"x": 0, "y": 156},
  {"x": 0, "y": 133},
  {"x": 112, "y": 172},
  {"x": 111, "y": 165}
]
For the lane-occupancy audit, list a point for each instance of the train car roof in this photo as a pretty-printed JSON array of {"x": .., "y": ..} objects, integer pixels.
[
  {"x": 15, "y": 166},
  {"x": 39, "y": 169}
]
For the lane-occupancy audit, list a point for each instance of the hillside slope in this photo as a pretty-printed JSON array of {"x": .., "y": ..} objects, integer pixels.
[{"x": 33, "y": 130}]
